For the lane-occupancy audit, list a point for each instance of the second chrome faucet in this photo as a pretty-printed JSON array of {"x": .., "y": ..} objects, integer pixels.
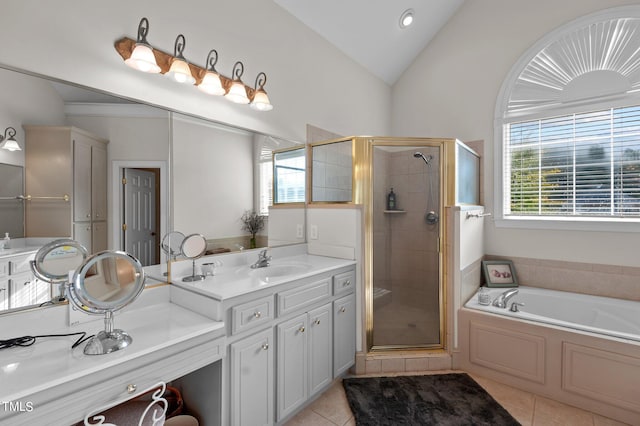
[
  {"x": 502, "y": 300},
  {"x": 263, "y": 260}
]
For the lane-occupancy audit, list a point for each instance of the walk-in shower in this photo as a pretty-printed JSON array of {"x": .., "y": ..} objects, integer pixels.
[{"x": 406, "y": 255}]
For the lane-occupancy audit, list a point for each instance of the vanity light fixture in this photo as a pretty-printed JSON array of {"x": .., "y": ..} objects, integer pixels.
[
  {"x": 211, "y": 82},
  {"x": 260, "y": 100},
  {"x": 208, "y": 80},
  {"x": 406, "y": 18},
  {"x": 142, "y": 57},
  {"x": 8, "y": 141},
  {"x": 238, "y": 91},
  {"x": 180, "y": 71}
]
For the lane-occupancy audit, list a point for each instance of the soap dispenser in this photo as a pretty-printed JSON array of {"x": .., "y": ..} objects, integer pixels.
[
  {"x": 6, "y": 241},
  {"x": 391, "y": 200}
]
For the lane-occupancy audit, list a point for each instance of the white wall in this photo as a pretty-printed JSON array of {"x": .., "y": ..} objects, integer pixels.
[
  {"x": 213, "y": 178},
  {"x": 451, "y": 91},
  {"x": 309, "y": 80}
]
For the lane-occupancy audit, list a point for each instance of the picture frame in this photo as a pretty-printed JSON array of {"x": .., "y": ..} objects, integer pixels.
[{"x": 499, "y": 273}]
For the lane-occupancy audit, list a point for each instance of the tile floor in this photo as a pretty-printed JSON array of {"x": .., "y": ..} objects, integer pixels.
[{"x": 332, "y": 409}]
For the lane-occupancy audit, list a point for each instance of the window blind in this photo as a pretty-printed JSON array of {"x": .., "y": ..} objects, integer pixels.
[{"x": 577, "y": 165}]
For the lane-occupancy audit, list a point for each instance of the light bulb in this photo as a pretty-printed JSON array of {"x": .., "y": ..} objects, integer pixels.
[
  {"x": 143, "y": 59},
  {"x": 180, "y": 72},
  {"x": 211, "y": 84},
  {"x": 237, "y": 93}
]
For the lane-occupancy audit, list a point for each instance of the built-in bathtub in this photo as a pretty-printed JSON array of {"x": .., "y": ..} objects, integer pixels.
[
  {"x": 602, "y": 315},
  {"x": 578, "y": 349}
]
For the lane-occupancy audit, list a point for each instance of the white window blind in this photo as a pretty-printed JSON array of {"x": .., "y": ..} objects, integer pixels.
[
  {"x": 290, "y": 177},
  {"x": 577, "y": 165},
  {"x": 265, "y": 165}
]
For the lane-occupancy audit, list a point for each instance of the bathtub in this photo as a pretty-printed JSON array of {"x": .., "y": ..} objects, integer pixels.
[
  {"x": 577, "y": 349},
  {"x": 595, "y": 314}
]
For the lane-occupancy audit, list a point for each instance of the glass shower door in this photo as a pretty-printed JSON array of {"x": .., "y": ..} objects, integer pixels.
[{"x": 406, "y": 257}]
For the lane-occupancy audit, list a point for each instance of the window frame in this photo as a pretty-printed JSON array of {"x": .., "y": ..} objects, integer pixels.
[{"x": 503, "y": 118}]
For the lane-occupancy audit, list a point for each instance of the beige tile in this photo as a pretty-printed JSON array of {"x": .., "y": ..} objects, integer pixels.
[
  {"x": 518, "y": 403},
  {"x": 393, "y": 365},
  {"x": 605, "y": 421},
  {"x": 350, "y": 422},
  {"x": 373, "y": 366},
  {"x": 551, "y": 413},
  {"x": 440, "y": 363},
  {"x": 308, "y": 417},
  {"x": 333, "y": 405},
  {"x": 416, "y": 364}
]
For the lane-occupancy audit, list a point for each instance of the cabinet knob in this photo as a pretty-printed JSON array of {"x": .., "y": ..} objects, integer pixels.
[
  {"x": 346, "y": 283},
  {"x": 131, "y": 388},
  {"x": 265, "y": 346},
  {"x": 257, "y": 314},
  {"x": 317, "y": 321},
  {"x": 343, "y": 309},
  {"x": 89, "y": 215},
  {"x": 97, "y": 215},
  {"x": 301, "y": 329}
]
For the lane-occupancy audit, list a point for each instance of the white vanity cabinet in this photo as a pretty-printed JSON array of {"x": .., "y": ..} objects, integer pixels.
[
  {"x": 304, "y": 358},
  {"x": 18, "y": 285},
  {"x": 284, "y": 338},
  {"x": 79, "y": 172},
  {"x": 344, "y": 335},
  {"x": 252, "y": 370}
]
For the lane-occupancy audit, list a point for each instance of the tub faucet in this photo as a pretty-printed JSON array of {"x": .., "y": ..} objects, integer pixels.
[
  {"x": 263, "y": 260},
  {"x": 502, "y": 300}
]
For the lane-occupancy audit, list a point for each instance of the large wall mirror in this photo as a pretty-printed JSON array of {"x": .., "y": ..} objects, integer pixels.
[{"x": 182, "y": 174}]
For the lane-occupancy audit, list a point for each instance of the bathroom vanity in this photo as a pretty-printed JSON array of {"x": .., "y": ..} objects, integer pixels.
[
  {"x": 50, "y": 383},
  {"x": 290, "y": 331},
  {"x": 245, "y": 346}
]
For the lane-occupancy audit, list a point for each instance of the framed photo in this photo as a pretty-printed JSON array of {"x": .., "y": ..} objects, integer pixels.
[{"x": 499, "y": 273}]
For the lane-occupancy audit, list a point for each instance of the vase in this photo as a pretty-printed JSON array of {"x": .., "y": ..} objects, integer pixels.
[{"x": 252, "y": 243}]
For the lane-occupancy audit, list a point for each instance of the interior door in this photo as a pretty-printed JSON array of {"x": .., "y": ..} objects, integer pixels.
[{"x": 140, "y": 235}]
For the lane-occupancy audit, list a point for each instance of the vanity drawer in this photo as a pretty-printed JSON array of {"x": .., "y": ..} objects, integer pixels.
[
  {"x": 344, "y": 283},
  {"x": 294, "y": 299},
  {"x": 19, "y": 264},
  {"x": 251, "y": 314}
]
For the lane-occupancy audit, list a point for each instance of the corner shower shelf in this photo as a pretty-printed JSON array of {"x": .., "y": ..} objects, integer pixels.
[{"x": 394, "y": 211}]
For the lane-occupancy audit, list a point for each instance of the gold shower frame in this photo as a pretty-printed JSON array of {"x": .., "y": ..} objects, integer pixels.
[{"x": 363, "y": 193}]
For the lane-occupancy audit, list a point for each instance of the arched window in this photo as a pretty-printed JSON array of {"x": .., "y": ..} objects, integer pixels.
[{"x": 568, "y": 127}]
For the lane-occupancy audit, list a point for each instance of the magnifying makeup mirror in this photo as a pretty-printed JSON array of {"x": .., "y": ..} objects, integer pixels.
[
  {"x": 172, "y": 245},
  {"x": 193, "y": 247},
  {"x": 104, "y": 283},
  {"x": 54, "y": 261}
]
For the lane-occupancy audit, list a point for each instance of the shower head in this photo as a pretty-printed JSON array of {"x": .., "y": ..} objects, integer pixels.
[{"x": 426, "y": 159}]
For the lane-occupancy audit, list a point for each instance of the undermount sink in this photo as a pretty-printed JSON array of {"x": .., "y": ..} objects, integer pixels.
[{"x": 272, "y": 272}]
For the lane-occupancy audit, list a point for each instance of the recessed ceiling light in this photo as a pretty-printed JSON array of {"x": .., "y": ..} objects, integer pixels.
[{"x": 406, "y": 18}]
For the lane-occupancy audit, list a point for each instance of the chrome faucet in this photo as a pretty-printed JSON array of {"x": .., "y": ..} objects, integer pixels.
[
  {"x": 502, "y": 300},
  {"x": 263, "y": 260}
]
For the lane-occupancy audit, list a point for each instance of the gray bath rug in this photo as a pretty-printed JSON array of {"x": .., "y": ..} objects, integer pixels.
[{"x": 442, "y": 399}]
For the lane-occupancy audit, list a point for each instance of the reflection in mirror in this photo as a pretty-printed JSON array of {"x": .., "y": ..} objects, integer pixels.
[
  {"x": 332, "y": 172},
  {"x": 231, "y": 173},
  {"x": 104, "y": 283},
  {"x": 234, "y": 171},
  {"x": 53, "y": 263},
  {"x": 289, "y": 176},
  {"x": 193, "y": 247},
  {"x": 12, "y": 200}
]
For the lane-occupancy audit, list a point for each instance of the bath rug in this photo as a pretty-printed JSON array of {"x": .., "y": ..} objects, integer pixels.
[{"x": 440, "y": 399}]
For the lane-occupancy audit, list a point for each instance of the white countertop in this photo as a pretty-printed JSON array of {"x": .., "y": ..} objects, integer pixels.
[
  {"x": 51, "y": 362},
  {"x": 232, "y": 281}
]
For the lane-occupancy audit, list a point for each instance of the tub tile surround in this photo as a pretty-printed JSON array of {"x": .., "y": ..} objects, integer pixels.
[{"x": 621, "y": 282}]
